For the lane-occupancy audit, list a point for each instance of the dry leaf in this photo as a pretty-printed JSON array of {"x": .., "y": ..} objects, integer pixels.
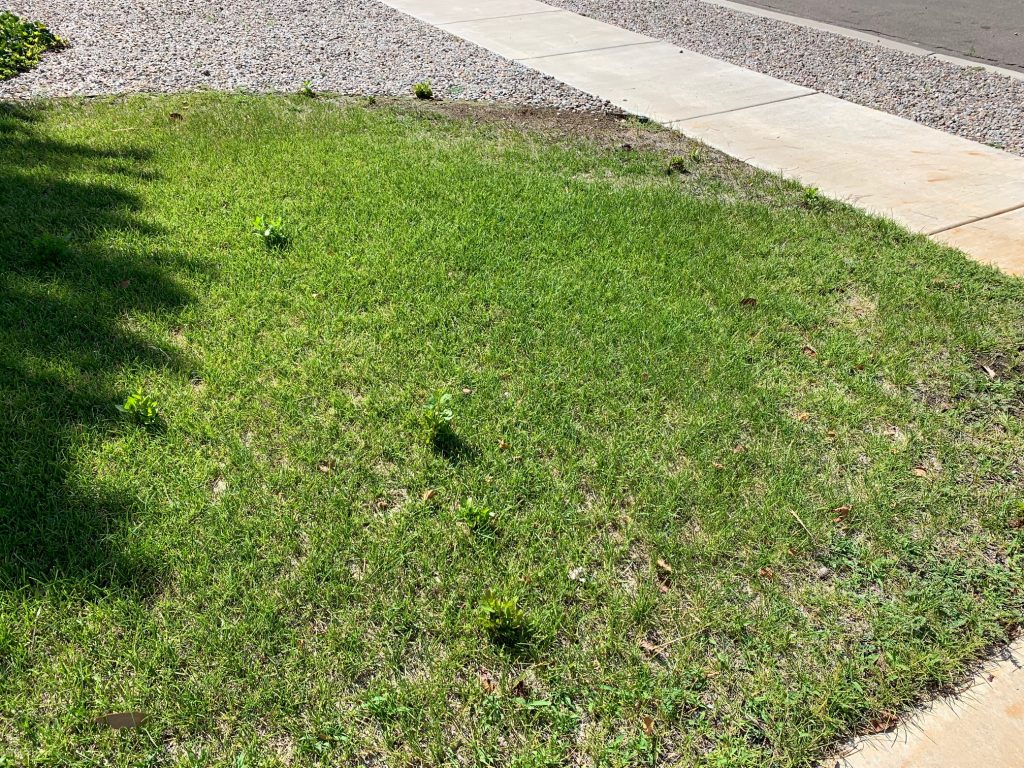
[
  {"x": 487, "y": 681},
  {"x": 803, "y": 416},
  {"x": 326, "y": 466},
  {"x": 988, "y": 371},
  {"x": 810, "y": 351},
  {"x": 886, "y": 721},
  {"x": 648, "y": 723},
  {"x": 219, "y": 486},
  {"x": 663, "y": 588},
  {"x": 119, "y": 720},
  {"x": 429, "y": 494},
  {"x": 648, "y": 647},
  {"x": 663, "y": 566},
  {"x": 841, "y": 513},
  {"x": 717, "y": 465},
  {"x": 176, "y": 117},
  {"x": 467, "y": 391},
  {"x": 749, "y": 301},
  {"x": 503, "y": 445},
  {"x": 739, "y": 448},
  {"x": 766, "y": 573},
  {"x": 920, "y": 472}
]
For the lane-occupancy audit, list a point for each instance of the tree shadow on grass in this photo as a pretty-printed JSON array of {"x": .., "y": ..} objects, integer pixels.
[{"x": 65, "y": 292}]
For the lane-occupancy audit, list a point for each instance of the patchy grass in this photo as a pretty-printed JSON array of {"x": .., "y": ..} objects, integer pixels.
[
  {"x": 22, "y": 43},
  {"x": 751, "y": 470}
]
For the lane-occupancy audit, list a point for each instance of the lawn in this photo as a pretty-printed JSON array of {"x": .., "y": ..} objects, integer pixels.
[{"x": 732, "y": 472}]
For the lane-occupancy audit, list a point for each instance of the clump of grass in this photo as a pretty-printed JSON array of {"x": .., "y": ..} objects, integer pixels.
[
  {"x": 307, "y": 89},
  {"x": 141, "y": 409},
  {"x": 437, "y": 415},
  {"x": 22, "y": 43},
  {"x": 271, "y": 231},
  {"x": 504, "y": 622},
  {"x": 815, "y": 201},
  {"x": 478, "y": 517},
  {"x": 423, "y": 90},
  {"x": 677, "y": 165},
  {"x": 50, "y": 251}
]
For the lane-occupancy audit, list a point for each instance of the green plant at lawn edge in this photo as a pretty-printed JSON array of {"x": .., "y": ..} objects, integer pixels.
[{"x": 22, "y": 43}]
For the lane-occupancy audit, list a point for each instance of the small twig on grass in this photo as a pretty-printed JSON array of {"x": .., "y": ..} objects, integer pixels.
[{"x": 797, "y": 518}]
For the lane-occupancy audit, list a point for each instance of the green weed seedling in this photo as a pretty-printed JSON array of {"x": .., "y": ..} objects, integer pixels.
[
  {"x": 815, "y": 201},
  {"x": 271, "y": 231},
  {"x": 437, "y": 415},
  {"x": 423, "y": 90},
  {"x": 478, "y": 517},
  {"x": 504, "y": 622},
  {"x": 141, "y": 409}
]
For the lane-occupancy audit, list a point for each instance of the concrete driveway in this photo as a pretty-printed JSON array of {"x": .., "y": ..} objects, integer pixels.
[{"x": 990, "y": 31}]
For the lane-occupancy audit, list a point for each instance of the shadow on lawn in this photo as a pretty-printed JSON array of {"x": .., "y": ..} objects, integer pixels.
[{"x": 63, "y": 296}]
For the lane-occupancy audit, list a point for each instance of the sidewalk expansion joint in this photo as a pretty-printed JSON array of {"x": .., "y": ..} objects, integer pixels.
[
  {"x": 445, "y": 24},
  {"x": 676, "y": 124},
  {"x": 587, "y": 50}
]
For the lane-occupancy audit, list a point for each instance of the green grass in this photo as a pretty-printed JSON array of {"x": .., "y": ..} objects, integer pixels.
[
  {"x": 748, "y": 468},
  {"x": 22, "y": 43}
]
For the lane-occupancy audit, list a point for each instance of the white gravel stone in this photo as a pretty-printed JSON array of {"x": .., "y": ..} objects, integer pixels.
[
  {"x": 341, "y": 46},
  {"x": 972, "y": 103}
]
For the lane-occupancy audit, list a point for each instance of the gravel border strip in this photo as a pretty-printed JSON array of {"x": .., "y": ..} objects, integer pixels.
[
  {"x": 868, "y": 37},
  {"x": 357, "y": 47},
  {"x": 973, "y": 103}
]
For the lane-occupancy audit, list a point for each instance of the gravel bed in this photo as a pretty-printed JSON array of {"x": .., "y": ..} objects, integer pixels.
[
  {"x": 342, "y": 46},
  {"x": 975, "y": 104}
]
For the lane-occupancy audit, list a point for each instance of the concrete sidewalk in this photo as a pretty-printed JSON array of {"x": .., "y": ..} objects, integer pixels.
[
  {"x": 959, "y": 192},
  {"x": 982, "y": 726}
]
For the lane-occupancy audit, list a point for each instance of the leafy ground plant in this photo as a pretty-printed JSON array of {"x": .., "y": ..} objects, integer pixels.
[
  {"x": 141, "y": 409},
  {"x": 22, "y": 43},
  {"x": 423, "y": 90},
  {"x": 504, "y": 622},
  {"x": 271, "y": 232},
  {"x": 758, "y": 468}
]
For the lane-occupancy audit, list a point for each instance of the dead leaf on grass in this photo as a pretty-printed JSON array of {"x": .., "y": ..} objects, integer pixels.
[
  {"x": 920, "y": 471},
  {"x": 648, "y": 723},
  {"x": 810, "y": 351},
  {"x": 749, "y": 301},
  {"x": 429, "y": 494},
  {"x": 326, "y": 466},
  {"x": 121, "y": 720},
  {"x": 841, "y": 513},
  {"x": 487, "y": 681}
]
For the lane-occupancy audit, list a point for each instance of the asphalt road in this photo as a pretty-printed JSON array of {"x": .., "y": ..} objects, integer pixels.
[{"x": 991, "y": 31}]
